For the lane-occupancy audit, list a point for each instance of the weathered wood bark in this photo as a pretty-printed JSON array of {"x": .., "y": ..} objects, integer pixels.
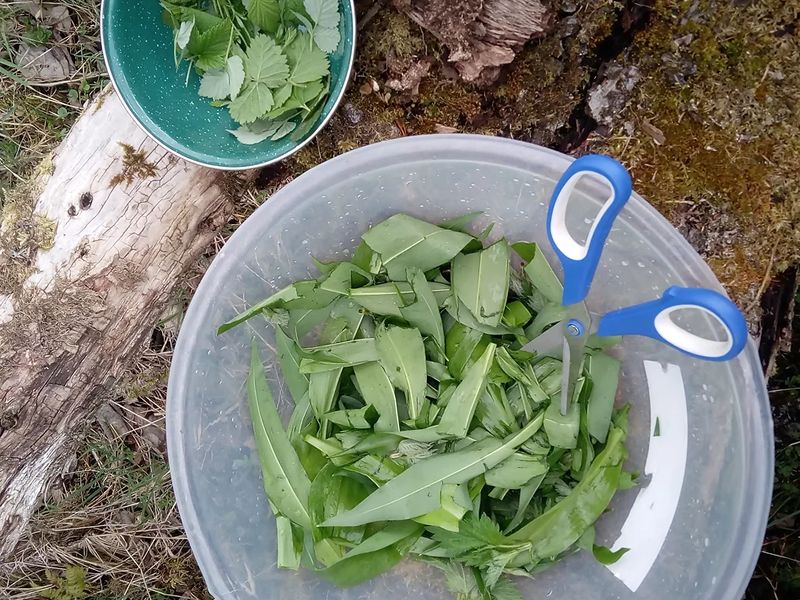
[
  {"x": 482, "y": 35},
  {"x": 128, "y": 218}
]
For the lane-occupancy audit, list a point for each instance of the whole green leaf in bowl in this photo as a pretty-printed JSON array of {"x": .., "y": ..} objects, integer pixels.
[{"x": 192, "y": 107}]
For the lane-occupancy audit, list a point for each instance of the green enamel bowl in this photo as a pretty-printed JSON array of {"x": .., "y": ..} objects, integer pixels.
[{"x": 137, "y": 47}]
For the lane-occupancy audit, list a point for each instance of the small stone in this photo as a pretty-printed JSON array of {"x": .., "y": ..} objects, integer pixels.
[
  {"x": 629, "y": 127},
  {"x": 365, "y": 88},
  {"x": 569, "y": 6},
  {"x": 608, "y": 97},
  {"x": 353, "y": 114}
]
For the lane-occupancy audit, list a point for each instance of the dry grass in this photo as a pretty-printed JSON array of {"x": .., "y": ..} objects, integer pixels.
[
  {"x": 114, "y": 514},
  {"x": 33, "y": 119}
]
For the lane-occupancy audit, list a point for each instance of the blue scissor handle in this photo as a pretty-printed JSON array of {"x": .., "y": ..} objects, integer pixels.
[
  {"x": 580, "y": 261},
  {"x": 652, "y": 319}
]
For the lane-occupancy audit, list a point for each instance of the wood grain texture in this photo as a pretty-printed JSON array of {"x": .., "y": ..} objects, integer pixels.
[{"x": 129, "y": 217}]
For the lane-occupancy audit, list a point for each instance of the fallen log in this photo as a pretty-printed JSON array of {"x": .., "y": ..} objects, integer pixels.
[{"x": 90, "y": 250}]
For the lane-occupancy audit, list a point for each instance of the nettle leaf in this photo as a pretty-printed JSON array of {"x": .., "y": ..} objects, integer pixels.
[
  {"x": 221, "y": 83},
  {"x": 209, "y": 49},
  {"x": 254, "y": 101},
  {"x": 324, "y": 13},
  {"x": 327, "y": 38},
  {"x": 265, "y": 14},
  {"x": 266, "y": 63},
  {"x": 307, "y": 62}
]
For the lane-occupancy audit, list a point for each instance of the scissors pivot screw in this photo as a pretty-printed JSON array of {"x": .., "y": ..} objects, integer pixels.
[{"x": 574, "y": 328}]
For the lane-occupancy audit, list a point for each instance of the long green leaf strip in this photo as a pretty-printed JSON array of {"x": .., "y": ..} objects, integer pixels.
[
  {"x": 420, "y": 427},
  {"x": 265, "y": 61}
]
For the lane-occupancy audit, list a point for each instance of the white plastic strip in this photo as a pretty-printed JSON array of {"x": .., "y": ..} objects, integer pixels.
[{"x": 651, "y": 515}]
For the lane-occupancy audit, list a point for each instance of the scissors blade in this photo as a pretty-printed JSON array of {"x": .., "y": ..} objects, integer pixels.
[
  {"x": 549, "y": 343},
  {"x": 574, "y": 347}
]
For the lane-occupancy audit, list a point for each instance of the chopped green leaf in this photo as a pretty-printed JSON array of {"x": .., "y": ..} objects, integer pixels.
[
  {"x": 562, "y": 430},
  {"x": 424, "y": 312},
  {"x": 605, "y": 555},
  {"x": 460, "y": 408},
  {"x": 289, "y": 546},
  {"x": 402, "y": 355},
  {"x": 289, "y": 360},
  {"x": 378, "y": 391},
  {"x": 405, "y": 242},
  {"x": 416, "y": 491},
  {"x": 480, "y": 281},
  {"x": 604, "y": 372},
  {"x": 516, "y": 471},
  {"x": 354, "y": 418},
  {"x": 285, "y": 481}
]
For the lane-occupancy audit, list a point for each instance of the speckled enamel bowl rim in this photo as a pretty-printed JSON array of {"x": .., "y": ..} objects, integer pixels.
[{"x": 278, "y": 158}]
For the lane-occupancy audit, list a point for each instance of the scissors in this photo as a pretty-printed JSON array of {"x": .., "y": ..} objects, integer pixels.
[{"x": 567, "y": 338}]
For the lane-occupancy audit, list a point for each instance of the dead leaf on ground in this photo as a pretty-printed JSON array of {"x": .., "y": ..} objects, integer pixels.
[
  {"x": 439, "y": 128},
  {"x": 52, "y": 14},
  {"x": 654, "y": 132},
  {"x": 44, "y": 66}
]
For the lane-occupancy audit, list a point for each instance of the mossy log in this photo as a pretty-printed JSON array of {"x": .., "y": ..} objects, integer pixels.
[{"x": 89, "y": 253}]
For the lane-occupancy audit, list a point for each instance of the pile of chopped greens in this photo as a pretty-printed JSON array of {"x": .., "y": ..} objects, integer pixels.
[
  {"x": 420, "y": 428},
  {"x": 265, "y": 60}
]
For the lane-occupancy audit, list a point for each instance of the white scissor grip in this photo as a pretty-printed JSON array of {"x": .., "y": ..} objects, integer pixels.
[
  {"x": 688, "y": 341},
  {"x": 561, "y": 236}
]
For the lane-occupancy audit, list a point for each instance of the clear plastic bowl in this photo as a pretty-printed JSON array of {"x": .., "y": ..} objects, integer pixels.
[{"x": 694, "y": 530}]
